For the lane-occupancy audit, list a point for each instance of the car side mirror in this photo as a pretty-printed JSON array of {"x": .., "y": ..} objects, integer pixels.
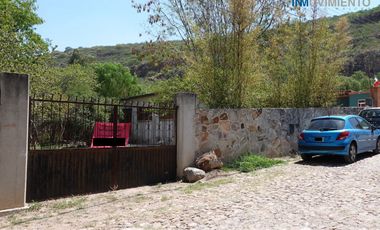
[{"x": 373, "y": 128}]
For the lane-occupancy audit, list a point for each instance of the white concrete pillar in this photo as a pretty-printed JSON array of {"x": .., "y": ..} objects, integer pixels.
[
  {"x": 14, "y": 112},
  {"x": 186, "y": 103},
  {"x": 135, "y": 131}
]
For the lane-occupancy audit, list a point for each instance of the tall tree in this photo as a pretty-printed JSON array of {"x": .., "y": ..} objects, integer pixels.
[
  {"x": 21, "y": 48},
  {"x": 76, "y": 80},
  {"x": 306, "y": 63},
  {"x": 116, "y": 81},
  {"x": 221, "y": 38},
  {"x": 78, "y": 58}
]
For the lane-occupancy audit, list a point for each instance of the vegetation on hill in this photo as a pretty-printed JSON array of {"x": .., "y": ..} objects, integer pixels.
[
  {"x": 136, "y": 57},
  {"x": 365, "y": 33},
  {"x": 231, "y": 55},
  {"x": 363, "y": 56}
]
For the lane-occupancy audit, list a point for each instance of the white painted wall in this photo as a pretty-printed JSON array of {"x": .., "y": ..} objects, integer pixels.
[
  {"x": 14, "y": 110},
  {"x": 186, "y": 146}
]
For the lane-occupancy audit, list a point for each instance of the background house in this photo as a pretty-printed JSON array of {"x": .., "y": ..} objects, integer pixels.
[{"x": 349, "y": 98}]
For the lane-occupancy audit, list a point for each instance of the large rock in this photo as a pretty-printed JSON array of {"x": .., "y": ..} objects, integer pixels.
[
  {"x": 193, "y": 174},
  {"x": 209, "y": 161}
]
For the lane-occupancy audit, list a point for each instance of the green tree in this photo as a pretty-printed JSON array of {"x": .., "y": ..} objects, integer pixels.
[
  {"x": 348, "y": 83},
  {"x": 21, "y": 48},
  {"x": 221, "y": 37},
  {"x": 364, "y": 80},
  {"x": 76, "y": 81},
  {"x": 358, "y": 81},
  {"x": 116, "y": 81},
  {"x": 72, "y": 81},
  {"x": 276, "y": 66},
  {"x": 78, "y": 58},
  {"x": 307, "y": 62},
  {"x": 167, "y": 89}
]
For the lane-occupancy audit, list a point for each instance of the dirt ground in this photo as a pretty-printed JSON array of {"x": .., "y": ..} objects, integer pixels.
[{"x": 322, "y": 194}]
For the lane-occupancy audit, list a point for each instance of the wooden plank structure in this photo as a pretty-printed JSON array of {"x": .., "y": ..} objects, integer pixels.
[{"x": 66, "y": 172}]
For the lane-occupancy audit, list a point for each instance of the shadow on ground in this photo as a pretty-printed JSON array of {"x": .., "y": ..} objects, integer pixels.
[{"x": 333, "y": 161}]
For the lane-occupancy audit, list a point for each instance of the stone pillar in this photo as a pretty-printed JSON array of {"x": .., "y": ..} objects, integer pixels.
[
  {"x": 14, "y": 112},
  {"x": 186, "y": 148}
]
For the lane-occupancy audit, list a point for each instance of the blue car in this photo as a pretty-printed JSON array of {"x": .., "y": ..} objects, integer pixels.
[{"x": 346, "y": 136}]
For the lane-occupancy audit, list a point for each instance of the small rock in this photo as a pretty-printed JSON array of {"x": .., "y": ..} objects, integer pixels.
[
  {"x": 209, "y": 161},
  {"x": 204, "y": 120},
  {"x": 193, "y": 174},
  {"x": 224, "y": 116},
  {"x": 215, "y": 120}
]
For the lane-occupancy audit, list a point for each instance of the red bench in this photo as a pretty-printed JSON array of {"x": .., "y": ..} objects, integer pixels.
[{"x": 103, "y": 135}]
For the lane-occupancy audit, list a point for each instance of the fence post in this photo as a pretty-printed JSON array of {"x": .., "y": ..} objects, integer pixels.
[
  {"x": 115, "y": 154},
  {"x": 14, "y": 114},
  {"x": 114, "y": 120},
  {"x": 186, "y": 103}
]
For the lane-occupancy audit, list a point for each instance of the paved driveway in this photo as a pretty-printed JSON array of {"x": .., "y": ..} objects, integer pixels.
[{"x": 324, "y": 194}]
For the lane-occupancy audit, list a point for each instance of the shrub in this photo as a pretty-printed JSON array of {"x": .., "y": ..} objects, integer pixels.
[{"x": 251, "y": 162}]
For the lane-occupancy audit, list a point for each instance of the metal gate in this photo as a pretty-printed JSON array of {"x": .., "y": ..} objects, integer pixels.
[{"x": 81, "y": 146}]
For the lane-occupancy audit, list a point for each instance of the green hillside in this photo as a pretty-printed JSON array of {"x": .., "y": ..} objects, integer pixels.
[
  {"x": 120, "y": 54},
  {"x": 133, "y": 56},
  {"x": 364, "y": 55},
  {"x": 365, "y": 32}
]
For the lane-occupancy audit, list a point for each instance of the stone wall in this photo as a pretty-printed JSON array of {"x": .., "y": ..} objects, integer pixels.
[{"x": 272, "y": 132}]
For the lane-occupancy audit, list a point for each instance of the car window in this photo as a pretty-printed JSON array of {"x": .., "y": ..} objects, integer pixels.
[
  {"x": 363, "y": 123},
  {"x": 326, "y": 124},
  {"x": 355, "y": 123},
  {"x": 373, "y": 113}
]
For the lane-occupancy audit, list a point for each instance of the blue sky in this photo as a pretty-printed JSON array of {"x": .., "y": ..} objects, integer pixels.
[
  {"x": 86, "y": 23},
  {"x": 75, "y": 23}
]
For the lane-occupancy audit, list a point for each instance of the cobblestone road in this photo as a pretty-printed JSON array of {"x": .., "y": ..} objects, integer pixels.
[{"x": 323, "y": 194}]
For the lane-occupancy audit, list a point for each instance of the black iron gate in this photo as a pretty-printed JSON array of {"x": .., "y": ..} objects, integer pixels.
[{"x": 79, "y": 146}]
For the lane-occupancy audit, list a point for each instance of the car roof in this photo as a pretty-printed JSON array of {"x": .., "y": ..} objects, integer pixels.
[
  {"x": 336, "y": 117},
  {"x": 371, "y": 108}
]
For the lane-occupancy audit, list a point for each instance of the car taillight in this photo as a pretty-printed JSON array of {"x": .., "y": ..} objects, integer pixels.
[
  {"x": 301, "y": 136},
  {"x": 343, "y": 135}
]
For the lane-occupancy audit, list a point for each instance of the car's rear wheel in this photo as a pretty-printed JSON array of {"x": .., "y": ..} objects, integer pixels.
[
  {"x": 351, "y": 157},
  {"x": 306, "y": 157},
  {"x": 377, "y": 150}
]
